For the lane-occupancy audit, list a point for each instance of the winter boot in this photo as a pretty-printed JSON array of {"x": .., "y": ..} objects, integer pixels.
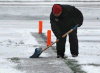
[
  {"x": 61, "y": 56},
  {"x": 74, "y": 55}
]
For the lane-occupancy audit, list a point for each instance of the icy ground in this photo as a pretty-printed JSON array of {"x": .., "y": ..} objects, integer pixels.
[
  {"x": 17, "y": 22},
  {"x": 16, "y": 41}
]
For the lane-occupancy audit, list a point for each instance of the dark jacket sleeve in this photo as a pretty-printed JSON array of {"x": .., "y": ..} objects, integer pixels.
[
  {"x": 54, "y": 27},
  {"x": 78, "y": 16}
]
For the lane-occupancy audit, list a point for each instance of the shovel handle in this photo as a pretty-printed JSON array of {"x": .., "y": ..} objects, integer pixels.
[{"x": 62, "y": 37}]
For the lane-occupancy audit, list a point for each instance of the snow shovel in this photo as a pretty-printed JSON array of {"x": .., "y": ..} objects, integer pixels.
[{"x": 38, "y": 51}]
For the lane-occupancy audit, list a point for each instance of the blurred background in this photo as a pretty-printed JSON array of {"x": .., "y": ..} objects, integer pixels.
[
  {"x": 40, "y": 9},
  {"x": 51, "y": 0}
]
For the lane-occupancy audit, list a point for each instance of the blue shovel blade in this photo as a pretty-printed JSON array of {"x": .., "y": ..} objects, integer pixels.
[{"x": 37, "y": 53}]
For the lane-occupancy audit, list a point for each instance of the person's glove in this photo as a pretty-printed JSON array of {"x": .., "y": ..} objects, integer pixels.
[
  {"x": 60, "y": 37},
  {"x": 78, "y": 21}
]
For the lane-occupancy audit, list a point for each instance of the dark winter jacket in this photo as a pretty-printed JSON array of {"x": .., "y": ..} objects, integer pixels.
[{"x": 70, "y": 17}]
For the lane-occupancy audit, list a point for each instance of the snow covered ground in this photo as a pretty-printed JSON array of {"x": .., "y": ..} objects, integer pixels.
[
  {"x": 16, "y": 23},
  {"x": 49, "y": 0},
  {"x": 15, "y": 43}
]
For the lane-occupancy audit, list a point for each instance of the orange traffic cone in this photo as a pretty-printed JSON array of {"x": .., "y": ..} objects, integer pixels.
[
  {"x": 48, "y": 37},
  {"x": 40, "y": 27}
]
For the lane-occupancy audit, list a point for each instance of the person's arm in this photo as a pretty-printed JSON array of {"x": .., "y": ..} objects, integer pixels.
[
  {"x": 54, "y": 27},
  {"x": 78, "y": 17}
]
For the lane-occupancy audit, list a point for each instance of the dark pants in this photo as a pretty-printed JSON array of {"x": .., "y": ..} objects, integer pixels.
[{"x": 73, "y": 40}]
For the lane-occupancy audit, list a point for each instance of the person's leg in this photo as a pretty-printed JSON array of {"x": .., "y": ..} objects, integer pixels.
[
  {"x": 60, "y": 47},
  {"x": 73, "y": 40}
]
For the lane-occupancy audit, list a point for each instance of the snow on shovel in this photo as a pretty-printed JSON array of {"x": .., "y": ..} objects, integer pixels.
[{"x": 38, "y": 51}]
